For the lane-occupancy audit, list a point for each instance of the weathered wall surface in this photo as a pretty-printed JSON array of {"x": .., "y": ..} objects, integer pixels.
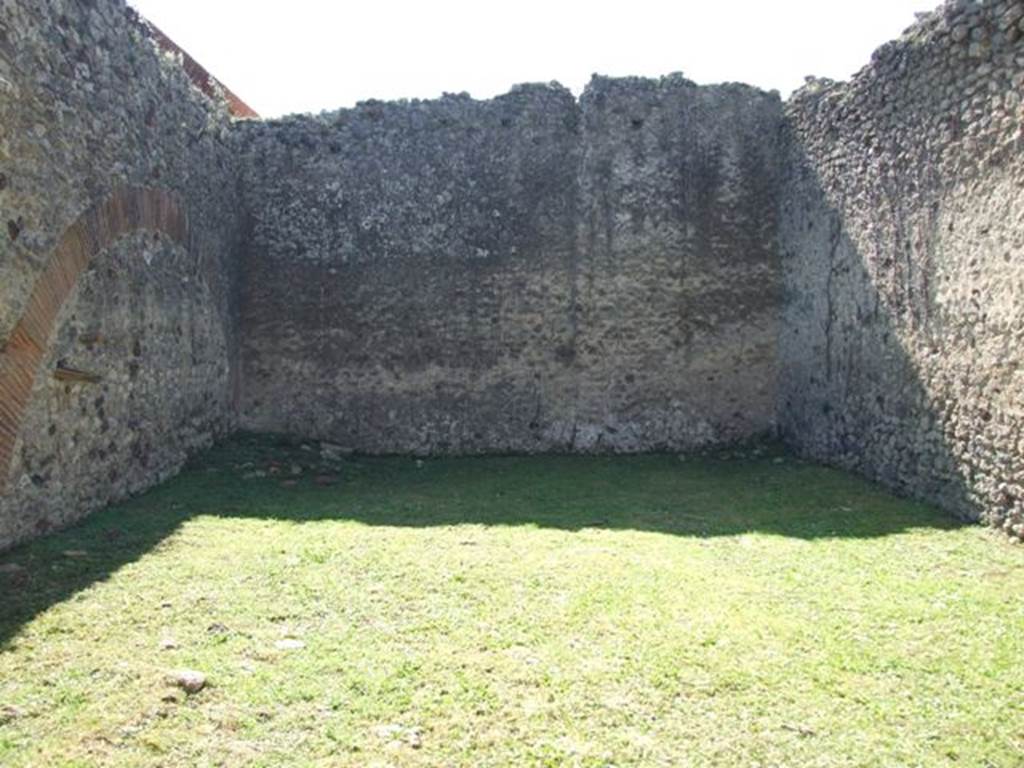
[
  {"x": 902, "y": 233},
  {"x": 90, "y": 113},
  {"x": 654, "y": 266},
  {"x": 526, "y": 273}
]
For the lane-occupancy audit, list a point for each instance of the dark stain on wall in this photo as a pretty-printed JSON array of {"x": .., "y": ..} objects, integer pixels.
[{"x": 422, "y": 278}]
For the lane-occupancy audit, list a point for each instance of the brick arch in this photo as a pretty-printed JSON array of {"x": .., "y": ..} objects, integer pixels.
[{"x": 126, "y": 210}]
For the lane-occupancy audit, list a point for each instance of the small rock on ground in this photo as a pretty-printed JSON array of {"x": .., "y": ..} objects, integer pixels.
[
  {"x": 333, "y": 452},
  {"x": 189, "y": 680},
  {"x": 398, "y": 736}
]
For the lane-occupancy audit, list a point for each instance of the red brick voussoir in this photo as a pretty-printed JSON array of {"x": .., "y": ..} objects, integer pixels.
[{"x": 125, "y": 210}]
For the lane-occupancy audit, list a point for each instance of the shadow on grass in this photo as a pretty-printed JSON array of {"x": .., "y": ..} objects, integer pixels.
[{"x": 722, "y": 494}]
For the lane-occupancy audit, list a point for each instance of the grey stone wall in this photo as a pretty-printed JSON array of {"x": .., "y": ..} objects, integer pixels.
[
  {"x": 902, "y": 233},
  {"x": 653, "y": 266},
  {"x": 526, "y": 273},
  {"x": 87, "y": 107}
]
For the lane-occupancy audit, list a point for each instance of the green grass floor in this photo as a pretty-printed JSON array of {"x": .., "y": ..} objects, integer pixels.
[{"x": 738, "y": 610}]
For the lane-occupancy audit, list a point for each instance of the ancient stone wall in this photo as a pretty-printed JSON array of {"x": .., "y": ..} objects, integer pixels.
[
  {"x": 118, "y": 253},
  {"x": 656, "y": 265},
  {"x": 902, "y": 233},
  {"x": 526, "y": 273}
]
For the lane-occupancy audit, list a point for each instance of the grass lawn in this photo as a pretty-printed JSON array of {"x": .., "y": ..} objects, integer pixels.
[{"x": 739, "y": 610}]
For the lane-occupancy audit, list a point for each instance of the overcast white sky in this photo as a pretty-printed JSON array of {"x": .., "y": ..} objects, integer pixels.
[{"x": 284, "y": 56}]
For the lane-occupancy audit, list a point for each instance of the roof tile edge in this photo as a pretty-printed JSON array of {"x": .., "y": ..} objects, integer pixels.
[{"x": 196, "y": 72}]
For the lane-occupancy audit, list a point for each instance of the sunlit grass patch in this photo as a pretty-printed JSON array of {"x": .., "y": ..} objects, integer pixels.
[{"x": 722, "y": 610}]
